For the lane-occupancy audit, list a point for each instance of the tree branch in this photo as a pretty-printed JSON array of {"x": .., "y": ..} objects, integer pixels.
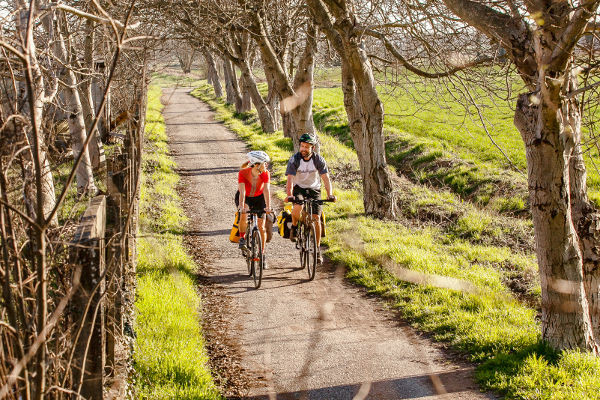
[{"x": 392, "y": 49}]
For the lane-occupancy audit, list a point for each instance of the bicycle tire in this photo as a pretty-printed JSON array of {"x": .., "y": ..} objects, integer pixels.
[
  {"x": 248, "y": 254},
  {"x": 311, "y": 252},
  {"x": 249, "y": 264},
  {"x": 300, "y": 244},
  {"x": 257, "y": 258}
]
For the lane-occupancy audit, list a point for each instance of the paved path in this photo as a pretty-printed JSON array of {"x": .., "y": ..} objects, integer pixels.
[{"x": 310, "y": 340}]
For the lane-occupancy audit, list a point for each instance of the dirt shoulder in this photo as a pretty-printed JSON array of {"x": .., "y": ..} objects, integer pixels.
[{"x": 291, "y": 338}]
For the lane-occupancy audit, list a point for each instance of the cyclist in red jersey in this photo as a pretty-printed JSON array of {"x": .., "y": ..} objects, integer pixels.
[{"x": 254, "y": 192}]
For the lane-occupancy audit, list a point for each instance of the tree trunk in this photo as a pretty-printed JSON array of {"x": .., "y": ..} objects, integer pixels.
[
  {"x": 95, "y": 145},
  {"x": 363, "y": 107},
  {"x": 377, "y": 185},
  {"x": 586, "y": 217},
  {"x": 296, "y": 99},
  {"x": 264, "y": 115},
  {"x": 367, "y": 113},
  {"x": 84, "y": 174},
  {"x": 186, "y": 59},
  {"x": 246, "y": 99},
  {"x": 567, "y": 226},
  {"x": 36, "y": 102},
  {"x": 212, "y": 74},
  {"x": 272, "y": 98},
  {"x": 231, "y": 86},
  {"x": 303, "y": 85},
  {"x": 566, "y": 318}
]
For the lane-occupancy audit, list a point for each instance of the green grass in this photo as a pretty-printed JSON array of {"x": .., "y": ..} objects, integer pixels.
[
  {"x": 164, "y": 79},
  {"x": 450, "y": 278},
  {"x": 443, "y": 148},
  {"x": 170, "y": 360}
]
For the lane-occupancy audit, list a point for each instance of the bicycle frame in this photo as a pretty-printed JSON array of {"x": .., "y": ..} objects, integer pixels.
[
  {"x": 254, "y": 253},
  {"x": 306, "y": 235}
]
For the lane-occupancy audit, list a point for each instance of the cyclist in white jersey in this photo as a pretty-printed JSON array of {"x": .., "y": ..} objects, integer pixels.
[{"x": 304, "y": 172}]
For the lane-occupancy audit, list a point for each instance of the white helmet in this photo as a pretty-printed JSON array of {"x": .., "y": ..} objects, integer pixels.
[{"x": 258, "y": 156}]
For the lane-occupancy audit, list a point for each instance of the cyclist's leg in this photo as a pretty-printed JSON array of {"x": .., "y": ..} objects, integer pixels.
[
  {"x": 243, "y": 222},
  {"x": 297, "y": 208},
  {"x": 316, "y": 216},
  {"x": 263, "y": 235},
  {"x": 317, "y": 224}
]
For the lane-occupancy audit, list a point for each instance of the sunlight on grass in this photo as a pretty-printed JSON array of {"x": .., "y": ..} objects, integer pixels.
[
  {"x": 476, "y": 251},
  {"x": 170, "y": 360}
]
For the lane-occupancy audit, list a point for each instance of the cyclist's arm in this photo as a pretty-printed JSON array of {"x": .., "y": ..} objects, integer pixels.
[
  {"x": 267, "y": 194},
  {"x": 289, "y": 186},
  {"x": 242, "y": 189},
  {"x": 327, "y": 184}
]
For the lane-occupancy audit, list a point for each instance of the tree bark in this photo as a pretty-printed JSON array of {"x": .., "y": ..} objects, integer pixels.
[
  {"x": 85, "y": 176},
  {"x": 567, "y": 228},
  {"x": 264, "y": 115},
  {"x": 363, "y": 107},
  {"x": 231, "y": 85},
  {"x": 186, "y": 59},
  {"x": 246, "y": 98},
  {"x": 296, "y": 103},
  {"x": 212, "y": 74},
  {"x": 95, "y": 145},
  {"x": 272, "y": 97},
  {"x": 36, "y": 102},
  {"x": 566, "y": 319}
]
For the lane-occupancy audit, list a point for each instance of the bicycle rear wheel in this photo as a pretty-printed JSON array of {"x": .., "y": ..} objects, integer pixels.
[
  {"x": 257, "y": 258},
  {"x": 311, "y": 252}
]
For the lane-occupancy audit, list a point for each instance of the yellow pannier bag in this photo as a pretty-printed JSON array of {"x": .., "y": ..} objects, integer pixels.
[
  {"x": 234, "y": 235},
  {"x": 284, "y": 221}
]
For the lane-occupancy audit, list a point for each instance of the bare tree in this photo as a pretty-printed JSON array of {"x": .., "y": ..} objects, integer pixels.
[
  {"x": 185, "y": 54},
  {"x": 296, "y": 93},
  {"x": 541, "y": 40},
  {"x": 362, "y": 103},
  {"x": 231, "y": 85},
  {"x": 39, "y": 52},
  {"x": 212, "y": 74}
]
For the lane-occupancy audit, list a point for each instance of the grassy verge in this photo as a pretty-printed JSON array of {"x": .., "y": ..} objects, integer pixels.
[
  {"x": 459, "y": 289},
  {"x": 170, "y": 359},
  {"x": 444, "y": 149}
]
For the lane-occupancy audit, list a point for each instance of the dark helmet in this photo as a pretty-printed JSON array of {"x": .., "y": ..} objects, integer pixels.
[{"x": 308, "y": 138}]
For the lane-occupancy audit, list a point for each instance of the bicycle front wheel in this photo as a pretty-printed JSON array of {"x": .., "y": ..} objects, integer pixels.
[
  {"x": 257, "y": 258},
  {"x": 311, "y": 252},
  {"x": 300, "y": 244}
]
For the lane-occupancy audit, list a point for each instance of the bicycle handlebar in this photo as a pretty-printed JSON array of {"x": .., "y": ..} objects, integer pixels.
[
  {"x": 256, "y": 211},
  {"x": 320, "y": 201}
]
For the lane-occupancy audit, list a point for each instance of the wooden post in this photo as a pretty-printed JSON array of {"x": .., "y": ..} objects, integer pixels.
[
  {"x": 116, "y": 166},
  {"x": 88, "y": 309}
]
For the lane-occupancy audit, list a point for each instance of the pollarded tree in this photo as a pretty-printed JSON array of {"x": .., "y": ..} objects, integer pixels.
[{"x": 541, "y": 39}]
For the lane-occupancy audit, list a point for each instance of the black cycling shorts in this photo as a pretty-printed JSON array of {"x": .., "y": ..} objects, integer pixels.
[
  {"x": 309, "y": 194},
  {"x": 253, "y": 203}
]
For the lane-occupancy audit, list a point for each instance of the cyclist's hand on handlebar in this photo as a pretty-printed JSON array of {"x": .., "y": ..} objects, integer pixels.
[{"x": 332, "y": 198}]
